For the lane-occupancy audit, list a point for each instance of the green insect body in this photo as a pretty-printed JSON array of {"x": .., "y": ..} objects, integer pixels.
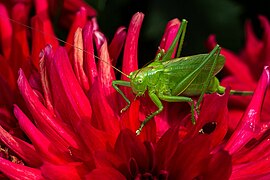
[{"x": 177, "y": 80}]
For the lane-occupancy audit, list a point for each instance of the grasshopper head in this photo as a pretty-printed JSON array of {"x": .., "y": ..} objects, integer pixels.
[{"x": 138, "y": 81}]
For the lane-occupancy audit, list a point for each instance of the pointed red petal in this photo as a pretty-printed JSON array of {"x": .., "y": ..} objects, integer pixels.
[
  {"x": 169, "y": 34},
  {"x": 250, "y": 125},
  {"x": 130, "y": 60}
]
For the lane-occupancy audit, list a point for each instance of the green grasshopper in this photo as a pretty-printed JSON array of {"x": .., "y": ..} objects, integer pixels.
[
  {"x": 166, "y": 79},
  {"x": 176, "y": 80}
]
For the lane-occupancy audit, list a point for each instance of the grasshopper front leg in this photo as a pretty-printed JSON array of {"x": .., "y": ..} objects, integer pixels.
[
  {"x": 122, "y": 83},
  {"x": 158, "y": 103}
]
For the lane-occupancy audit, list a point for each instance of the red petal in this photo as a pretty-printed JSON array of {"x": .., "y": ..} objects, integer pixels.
[
  {"x": 250, "y": 125},
  {"x": 166, "y": 147},
  {"x": 73, "y": 105},
  {"x": 89, "y": 56},
  {"x": 67, "y": 171},
  {"x": 55, "y": 130},
  {"x": 169, "y": 34},
  {"x": 266, "y": 39},
  {"x": 79, "y": 22},
  {"x": 106, "y": 73},
  {"x": 69, "y": 8},
  {"x": 5, "y": 32},
  {"x": 253, "y": 46},
  {"x": 129, "y": 146},
  {"x": 20, "y": 50},
  {"x": 219, "y": 167},
  {"x": 213, "y": 111},
  {"x": 42, "y": 145},
  {"x": 233, "y": 63},
  {"x": 105, "y": 173},
  {"x": 188, "y": 161},
  {"x": 251, "y": 153},
  {"x": 21, "y": 148},
  {"x": 252, "y": 170},
  {"x": 42, "y": 35},
  {"x": 78, "y": 60},
  {"x": 130, "y": 60},
  {"x": 117, "y": 44},
  {"x": 19, "y": 172},
  {"x": 104, "y": 116}
]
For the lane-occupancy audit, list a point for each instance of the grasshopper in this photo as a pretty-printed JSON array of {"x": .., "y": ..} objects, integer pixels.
[
  {"x": 173, "y": 80},
  {"x": 177, "y": 80}
]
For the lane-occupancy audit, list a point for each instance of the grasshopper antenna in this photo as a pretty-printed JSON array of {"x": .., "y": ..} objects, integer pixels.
[{"x": 60, "y": 40}]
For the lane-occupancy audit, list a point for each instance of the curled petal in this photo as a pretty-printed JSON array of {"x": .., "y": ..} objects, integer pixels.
[
  {"x": 250, "y": 125},
  {"x": 78, "y": 60}
]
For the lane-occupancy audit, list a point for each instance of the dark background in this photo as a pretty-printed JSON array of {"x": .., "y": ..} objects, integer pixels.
[{"x": 225, "y": 18}]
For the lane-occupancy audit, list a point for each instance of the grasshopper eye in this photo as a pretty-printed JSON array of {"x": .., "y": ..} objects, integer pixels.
[{"x": 140, "y": 81}]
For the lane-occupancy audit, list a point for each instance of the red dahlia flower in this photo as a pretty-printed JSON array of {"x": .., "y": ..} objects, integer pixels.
[{"x": 69, "y": 113}]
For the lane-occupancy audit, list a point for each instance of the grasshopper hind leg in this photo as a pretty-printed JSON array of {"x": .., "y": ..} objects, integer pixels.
[{"x": 215, "y": 52}]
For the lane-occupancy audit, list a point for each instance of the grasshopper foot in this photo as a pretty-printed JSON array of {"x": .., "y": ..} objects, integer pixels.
[
  {"x": 138, "y": 132},
  {"x": 124, "y": 109}
]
